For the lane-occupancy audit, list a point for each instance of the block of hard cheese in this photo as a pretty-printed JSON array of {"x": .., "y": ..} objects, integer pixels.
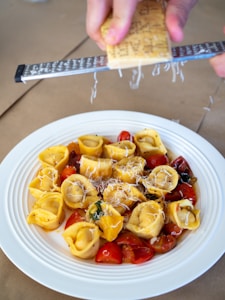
[{"x": 147, "y": 41}]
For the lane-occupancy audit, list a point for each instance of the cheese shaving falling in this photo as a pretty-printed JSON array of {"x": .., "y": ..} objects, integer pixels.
[
  {"x": 94, "y": 89},
  {"x": 175, "y": 67}
]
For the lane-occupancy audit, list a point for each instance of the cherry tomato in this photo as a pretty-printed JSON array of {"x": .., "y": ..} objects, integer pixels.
[
  {"x": 183, "y": 169},
  {"x": 74, "y": 146},
  {"x": 74, "y": 160},
  {"x": 172, "y": 229},
  {"x": 124, "y": 135},
  {"x": 156, "y": 160},
  {"x": 182, "y": 191},
  {"x": 66, "y": 172},
  {"x": 110, "y": 252},
  {"x": 128, "y": 238},
  {"x": 78, "y": 215},
  {"x": 127, "y": 253},
  {"x": 164, "y": 243},
  {"x": 137, "y": 254}
]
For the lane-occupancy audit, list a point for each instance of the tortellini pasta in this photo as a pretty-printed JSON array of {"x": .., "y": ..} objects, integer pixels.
[
  {"x": 163, "y": 179},
  {"x": 184, "y": 214},
  {"x": 122, "y": 196},
  {"x": 78, "y": 191},
  {"x": 119, "y": 150},
  {"x": 95, "y": 167},
  {"x": 107, "y": 218},
  {"x": 148, "y": 142},
  {"x": 91, "y": 145},
  {"x": 46, "y": 181},
  {"x": 48, "y": 211},
  {"x": 83, "y": 238},
  {"x": 109, "y": 188},
  {"x": 55, "y": 156},
  {"x": 146, "y": 220},
  {"x": 129, "y": 169}
]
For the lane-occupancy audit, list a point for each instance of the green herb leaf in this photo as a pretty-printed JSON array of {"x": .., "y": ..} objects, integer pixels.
[{"x": 98, "y": 213}]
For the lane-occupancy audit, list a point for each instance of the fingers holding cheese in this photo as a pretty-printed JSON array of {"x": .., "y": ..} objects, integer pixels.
[{"x": 146, "y": 42}]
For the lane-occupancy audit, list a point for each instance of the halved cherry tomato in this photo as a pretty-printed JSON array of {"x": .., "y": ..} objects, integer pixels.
[
  {"x": 74, "y": 160},
  {"x": 137, "y": 254},
  {"x": 66, "y": 172},
  {"x": 183, "y": 169},
  {"x": 124, "y": 135},
  {"x": 74, "y": 146},
  {"x": 156, "y": 160},
  {"x": 110, "y": 252},
  {"x": 182, "y": 191},
  {"x": 127, "y": 253},
  {"x": 164, "y": 243},
  {"x": 172, "y": 229},
  {"x": 78, "y": 215},
  {"x": 128, "y": 238}
]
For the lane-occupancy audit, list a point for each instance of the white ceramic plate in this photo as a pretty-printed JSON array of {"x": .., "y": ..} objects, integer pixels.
[{"x": 45, "y": 256}]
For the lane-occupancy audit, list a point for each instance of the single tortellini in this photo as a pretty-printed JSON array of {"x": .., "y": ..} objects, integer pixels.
[
  {"x": 122, "y": 196},
  {"x": 95, "y": 167},
  {"x": 148, "y": 142},
  {"x": 162, "y": 179},
  {"x": 108, "y": 219},
  {"x": 78, "y": 191},
  {"x": 91, "y": 145},
  {"x": 119, "y": 150},
  {"x": 83, "y": 238},
  {"x": 55, "y": 156},
  {"x": 48, "y": 211},
  {"x": 45, "y": 181},
  {"x": 184, "y": 214},
  {"x": 129, "y": 169},
  {"x": 146, "y": 220}
]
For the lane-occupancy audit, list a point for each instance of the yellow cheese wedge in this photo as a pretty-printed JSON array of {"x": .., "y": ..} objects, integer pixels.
[{"x": 147, "y": 41}]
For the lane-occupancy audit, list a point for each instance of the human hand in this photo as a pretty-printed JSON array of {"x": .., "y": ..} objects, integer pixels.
[
  {"x": 97, "y": 12},
  {"x": 177, "y": 13},
  {"x": 218, "y": 63}
]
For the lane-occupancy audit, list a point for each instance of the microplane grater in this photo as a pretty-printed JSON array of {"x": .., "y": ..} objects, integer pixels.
[{"x": 99, "y": 63}]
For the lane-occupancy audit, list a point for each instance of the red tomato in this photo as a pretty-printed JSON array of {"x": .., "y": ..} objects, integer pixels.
[
  {"x": 156, "y": 160},
  {"x": 127, "y": 254},
  {"x": 124, "y": 135},
  {"x": 172, "y": 229},
  {"x": 164, "y": 243},
  {"x": 78, "y": 215},
  {"x": 110, "y": 252},
  {"x": 74, "y": 160},
  {"x": 137, "y": 254},
  {"x": 183, "y": 169},
  {"x": 143, "y": 254},
  {"x": 128, "y": 238},
  {"x": 182, "y": 191},
  {"x": 66, "y": 172}
]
